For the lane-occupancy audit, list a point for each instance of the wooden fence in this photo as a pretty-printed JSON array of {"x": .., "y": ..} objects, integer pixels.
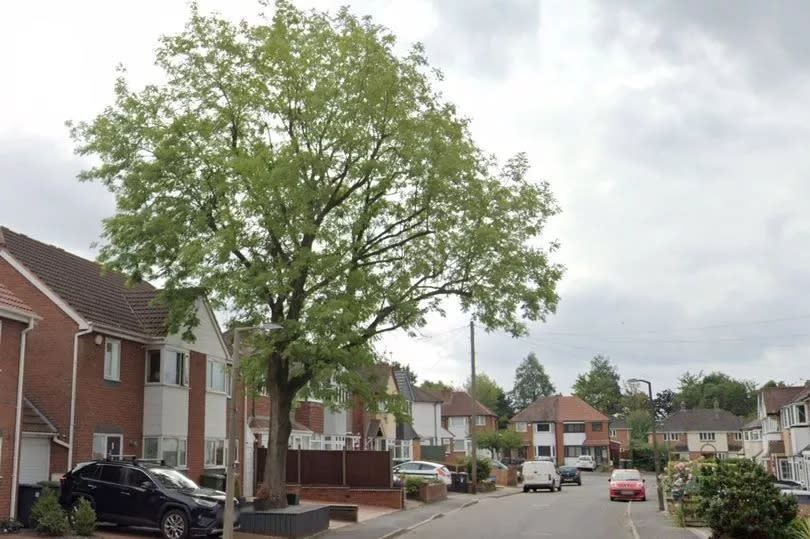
[{"x": 357, "y": 469}]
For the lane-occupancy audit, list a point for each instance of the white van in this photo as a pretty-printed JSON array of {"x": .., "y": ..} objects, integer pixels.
[{"x": 541, "y": 474}]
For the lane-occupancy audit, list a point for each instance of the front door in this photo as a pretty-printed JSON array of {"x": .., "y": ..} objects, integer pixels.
[{"x": 113, "y": 446}]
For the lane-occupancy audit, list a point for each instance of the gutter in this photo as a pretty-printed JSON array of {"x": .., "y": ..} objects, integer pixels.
[
  {"x": 73, "y": 393},
  {"x": 18, "y": 419}
]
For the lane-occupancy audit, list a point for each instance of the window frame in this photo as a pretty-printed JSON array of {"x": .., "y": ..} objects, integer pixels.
[
  {"x": 550, "y": 452},
  {"x": 521, "y": 426},
  {"x": 213, "y": 464},
  {"x": 546, "y": 425},
  {"x": 782, "y": 463},
  {"x": 799, "y": 421},
  {"x": 573, "y": 449},
  {"x": 707, "y": 436},
  {"x": 480, "y": 421},
  {"x": 210, "y": 364},
  {"x": 596, "y": 426},
  {"x": 738, "y": 436},
  {"x": 169, "y": 355},
  {"x": 568, "y": 428},
  {"x": 756, "y": 435},
  {"x": 106, "y": 437},
  {"x": 108, "y": 356},
  {"x": 181, "y": 464}
]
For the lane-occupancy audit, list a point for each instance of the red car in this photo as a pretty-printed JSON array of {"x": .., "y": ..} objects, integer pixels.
[{"x": 627, "y": 485}]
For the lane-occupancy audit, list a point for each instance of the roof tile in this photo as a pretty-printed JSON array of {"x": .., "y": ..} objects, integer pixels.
[
  {"x": 702, "y": 419},
  {"x": 776, "y": 397},
  {"x": 460, "y": 403},
  {"x": 560, "y": 408},
  {"x": 12, "y": 303}
]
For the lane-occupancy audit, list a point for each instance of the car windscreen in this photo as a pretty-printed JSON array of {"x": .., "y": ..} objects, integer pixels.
[
  {"x": 568, "y": 469},
  {"x": 172, "y": 479},
  {"x": 626, "y": 476}
]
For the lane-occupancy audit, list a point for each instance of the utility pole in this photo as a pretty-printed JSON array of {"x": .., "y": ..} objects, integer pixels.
[
  {"x": 474, "y": 416},
  {"x": 230, "y": 471},
  {"x": 656, "y": 458}
]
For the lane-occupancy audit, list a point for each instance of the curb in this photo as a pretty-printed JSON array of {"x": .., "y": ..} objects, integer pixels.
[
  {"x": 468, "y": 504},
  {"x": 699, "y": 532},
  {"x": 403, "y": 531},
  {"x": 507, "y": 494}
]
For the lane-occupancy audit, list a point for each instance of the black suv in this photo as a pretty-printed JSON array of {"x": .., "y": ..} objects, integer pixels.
[{"x": 137, "y": 493}]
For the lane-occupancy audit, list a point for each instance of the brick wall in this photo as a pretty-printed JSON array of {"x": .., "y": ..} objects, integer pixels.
[
  {"x": 602, "y": 435},
  {"x": 310, "y": 414},
  {"x": 49, "y": 358},
  {"x": 623, "y": 437},
  {"x": 558, "y": 431},
  {"x": 104, "y": 406},
  {"x": 196, "y": 415},
  {"x": 10, "y": 331},
  {"x": 393, "y": 498},
  {"x": 260, "y": 406}
]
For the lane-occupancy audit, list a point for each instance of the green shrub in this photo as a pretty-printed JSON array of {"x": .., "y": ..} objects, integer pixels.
[
  {"x": 740, "y": 500},
  {"x": 47, "y": 515},
  {"x": 413, "y": 484},
  {"x": 800, "y": 528},
  {"x": 84, "y": 518},
  {"x": 484, "y": 468}
]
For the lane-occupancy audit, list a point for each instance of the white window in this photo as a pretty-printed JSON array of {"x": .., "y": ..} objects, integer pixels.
[
  {"x": 458, "y": 422},
  {"x": 801, "y": 414},
  {"x": 746, "y": 436},
  {"x": 459, "y": 446},
  {"x": 543, "y": 427},
  {"x": 172, "y": 451},
  {"x": 107, "y": 445},
  {"x": 720, "y": 456},
  {"x": 786, "y": 470},
  {"x": 521, "y": 426},
  {"x": 755, "y": 435},
  {"x": 112, "y": 360},
  {"x": 706, "y": 436},
  {"x": 175, "y": 371},
  {"x": 612, "y": 433},
  {"x": 218, "y": 377},
  {"x": 738, "y": 436},
  {"x": 480, "y": 421},
  {"x": 215, "y": 453},
  {"x": 671, "y": 436}
]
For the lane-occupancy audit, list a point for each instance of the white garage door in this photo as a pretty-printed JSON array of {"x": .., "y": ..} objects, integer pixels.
[{"x": 35, "y": 460}]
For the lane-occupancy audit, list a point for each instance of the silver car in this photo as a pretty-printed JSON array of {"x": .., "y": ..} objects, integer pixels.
[{"x": 424, "y": 469}]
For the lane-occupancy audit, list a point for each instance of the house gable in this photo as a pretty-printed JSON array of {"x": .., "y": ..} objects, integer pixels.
[{"x": 208, "y": 335}]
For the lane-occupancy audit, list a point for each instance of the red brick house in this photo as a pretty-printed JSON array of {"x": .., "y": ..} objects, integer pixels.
[
  {"x": 103, "y": 373},
  {"x": 563, "y": 428},
  {"x": 16, "y": 320},
  {"x": 457, "y": 409}
]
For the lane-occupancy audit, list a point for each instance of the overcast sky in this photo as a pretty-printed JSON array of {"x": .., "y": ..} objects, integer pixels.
[{"x": 674, "y": 136}]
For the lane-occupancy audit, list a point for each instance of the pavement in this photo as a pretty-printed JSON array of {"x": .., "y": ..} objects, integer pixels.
[{"x": 575, "y": 512}]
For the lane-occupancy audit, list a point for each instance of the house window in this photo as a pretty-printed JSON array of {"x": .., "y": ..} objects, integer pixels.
[
  {"x": 173, "y": 451},
  {"x": 480, "y": 421},
  {"x": 785, "y": 469},
  {"x": 596, "y": 427},
  {"x": 706, "y": 436},
  {"x": 612, "y": 433},
  {"x": 112, "y": 360},
  {"x": 458, "y": 422},
  {"x": 738, "y": 436},
  {"x": 746, "y": 436},
  {"x": 107, "y": 445},
  {"x": 543, "y": 450},
  {"x": 218, "y": 378},
  {"x": 573, "y": 450},
  {"x": 215, "y": 453},
  {"x": 543, "y": 427},
  {"x": 520, "y": 426},
  {"x": 720, "y": 456},
  {"x": 153, "y": 367},
  {"x": 176, "y": 370},
  {"x": 459, "y": 446},
  {"x": 755, "y": 435},
  {"x": 801, "y": 414},
  {"x": 670, "y": 436},
  {"x": 574, "y": 427}
]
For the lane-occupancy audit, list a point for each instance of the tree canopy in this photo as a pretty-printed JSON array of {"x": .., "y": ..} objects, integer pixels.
[
  {"x": 531, "y": 383},
  {"x": 487, "y": 390},
  {"x": 599, "y": 387},
  {"x": 701, "y": 391},
  {"x": 436, "y": 387},
  {"x": 297, "y": 170}
]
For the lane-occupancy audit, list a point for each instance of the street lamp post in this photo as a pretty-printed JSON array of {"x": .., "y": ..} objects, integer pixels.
[
  {"x": 655, "y": 443},
  {"x": 230, "y": 471}
]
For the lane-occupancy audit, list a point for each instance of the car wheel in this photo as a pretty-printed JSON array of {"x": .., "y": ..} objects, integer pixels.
[
  {"x": 579, "y": 483},
  {"x": 525, "y": 489},
  {"x": 612, "y": 499},
  {"x": 174, "y": 525},
  {"x": 644, "y": 498}
]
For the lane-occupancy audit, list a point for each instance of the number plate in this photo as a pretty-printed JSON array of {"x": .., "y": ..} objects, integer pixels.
[{"x": 628, "y": 493}]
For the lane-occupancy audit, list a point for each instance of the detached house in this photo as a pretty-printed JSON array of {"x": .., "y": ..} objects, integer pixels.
[
  {"x": 426, "y": 428},
  {"x": 103, "y": 377},
  {"x": 457, "y": 407},
  {"x": 770, "y": 402},
  {"x": 563, "y": 428},
  {"x": 707, "y": 432},
  {"x": 794, "y": 464}
]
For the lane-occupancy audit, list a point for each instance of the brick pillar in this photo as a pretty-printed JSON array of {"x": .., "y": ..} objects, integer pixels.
[{"x": 196, "y": 416}]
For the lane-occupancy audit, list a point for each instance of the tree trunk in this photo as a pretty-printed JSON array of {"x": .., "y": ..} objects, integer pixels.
[{"x": 275, "y": 468}]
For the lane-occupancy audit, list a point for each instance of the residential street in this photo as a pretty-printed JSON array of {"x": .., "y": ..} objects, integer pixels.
[{"x": 575, "y": 512}]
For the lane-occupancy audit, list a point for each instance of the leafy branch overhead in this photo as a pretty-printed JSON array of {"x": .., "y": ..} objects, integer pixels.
[{"x": 301, "y": 172}]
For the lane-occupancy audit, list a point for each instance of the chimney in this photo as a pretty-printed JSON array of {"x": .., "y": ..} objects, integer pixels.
[
  {"x": 716, "y": 404},
  {"x": 683, "y": 406}
]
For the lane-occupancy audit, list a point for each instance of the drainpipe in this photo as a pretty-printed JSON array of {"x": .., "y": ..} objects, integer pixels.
[
  {"x": 18, "y": 419},
  {"x": 73, "y": 392}
]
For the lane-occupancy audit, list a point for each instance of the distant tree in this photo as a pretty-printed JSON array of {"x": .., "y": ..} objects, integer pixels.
[
  {"x": 633, "y": 398},
  {"x": 640, "y": 424},
  {"x": 531, "y": 382},
  {"x": 599, "y": 387},
  {"x": 397, "y": 366},
  {"x": 511, "y": 440},
  {"x": 504, "y": 410},
  {"x": 664, "y": 404},
  {"x": 773, "y": 383},
  {"x": 436, "y": 387},
  {"x": 487, "y": 390},
  {"x": 489, "y": 440},
  {"x": 699, "y": 391}
]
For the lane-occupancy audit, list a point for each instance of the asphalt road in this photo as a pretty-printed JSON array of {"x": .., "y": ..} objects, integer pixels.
[{"x": 575, "y": 512}]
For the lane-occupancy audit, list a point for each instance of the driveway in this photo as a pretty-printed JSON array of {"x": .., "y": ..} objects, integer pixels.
[{"x": 575, "y": 512}]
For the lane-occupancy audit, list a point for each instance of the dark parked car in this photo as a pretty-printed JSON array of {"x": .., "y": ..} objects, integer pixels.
[
  {"x": 570, "y": 474},
  {"x": 135, "y": 493}
]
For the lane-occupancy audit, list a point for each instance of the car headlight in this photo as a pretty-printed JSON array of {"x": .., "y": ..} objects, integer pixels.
[{"x": 205, "y": 503}]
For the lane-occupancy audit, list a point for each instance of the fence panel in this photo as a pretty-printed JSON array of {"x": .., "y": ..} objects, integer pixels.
[
  {"x": 320, "y": 467},
  {"x": 370, "y": 469},
  {"x": 433, "y": 453}
]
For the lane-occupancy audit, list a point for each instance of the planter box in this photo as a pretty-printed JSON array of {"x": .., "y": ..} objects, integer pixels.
[
  {"x": 433, "y": 492},
  {"x": 292, "y": 521}
]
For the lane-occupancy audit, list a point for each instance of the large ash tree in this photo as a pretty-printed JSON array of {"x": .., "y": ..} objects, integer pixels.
[{"x": 299, "y": 171}]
